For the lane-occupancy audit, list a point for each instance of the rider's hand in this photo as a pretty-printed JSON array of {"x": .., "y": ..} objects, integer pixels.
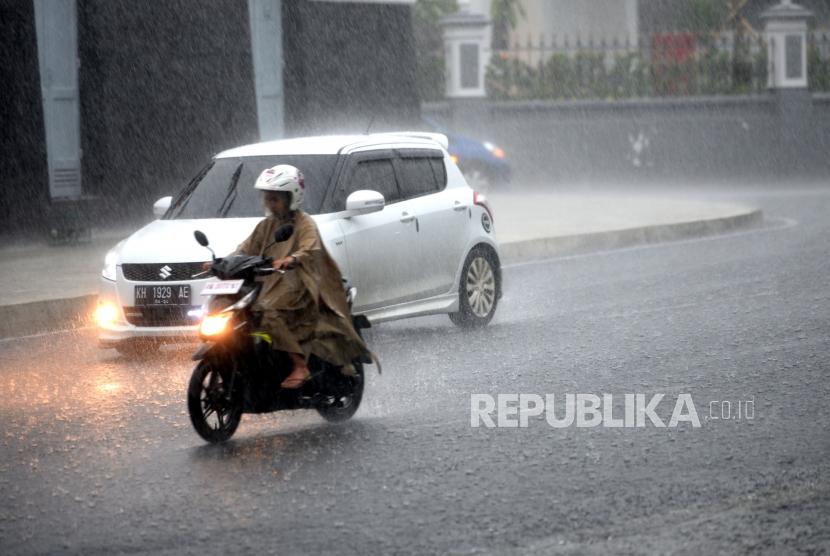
[
  {"x": 207, "y": 265},
  {"x": 284, "y": 263}
]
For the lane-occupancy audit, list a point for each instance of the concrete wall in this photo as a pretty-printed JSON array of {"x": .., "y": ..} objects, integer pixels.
[
  {"x": 162, "y": 86},
  {"x": 23, "y": 169},
  {"x": 165, "y": 85},
  {"x": 347, "y": 64},
  {"x": 684, "y": 138}
]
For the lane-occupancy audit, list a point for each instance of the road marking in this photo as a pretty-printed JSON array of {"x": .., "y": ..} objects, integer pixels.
[{"x": 782, "y": 224}]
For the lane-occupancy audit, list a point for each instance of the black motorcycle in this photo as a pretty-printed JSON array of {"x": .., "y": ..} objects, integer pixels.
[{"x": 239, "y": 372}]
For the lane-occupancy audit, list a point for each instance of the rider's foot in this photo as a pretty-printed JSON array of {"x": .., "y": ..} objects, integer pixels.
[
  {"x": 296, "y": 379},
  {"x": 299, "y": 375}
]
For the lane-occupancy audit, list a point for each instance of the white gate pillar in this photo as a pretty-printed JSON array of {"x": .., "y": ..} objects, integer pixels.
[
  {"x": 57, "y": 52},
  {"x": 785, "y": 30},
  {"x": 267, "y": 55},
  {"x": 466, "y": 52}
]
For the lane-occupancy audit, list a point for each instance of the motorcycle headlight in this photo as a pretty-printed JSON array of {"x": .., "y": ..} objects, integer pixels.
[
  {"x": 110, "y": 262},
  {"x": 214, "y": 325}
]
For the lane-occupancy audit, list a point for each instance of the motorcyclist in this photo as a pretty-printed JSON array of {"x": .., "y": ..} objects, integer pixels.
[{"x": 304, "y": 310}]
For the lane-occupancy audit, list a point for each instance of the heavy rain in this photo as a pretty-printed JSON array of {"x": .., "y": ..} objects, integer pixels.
[{"x": 583, "y": 250}]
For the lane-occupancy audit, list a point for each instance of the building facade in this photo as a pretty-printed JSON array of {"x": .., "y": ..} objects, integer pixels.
[{"x": 123, "y": 104}]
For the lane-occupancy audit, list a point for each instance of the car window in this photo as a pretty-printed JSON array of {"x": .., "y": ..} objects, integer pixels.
[
  {"x": 417, "y": 177},
  {"x": 439, "y": 171},
  {"x": 376, "y": 174},
  {"x": 225, "y": 188}
]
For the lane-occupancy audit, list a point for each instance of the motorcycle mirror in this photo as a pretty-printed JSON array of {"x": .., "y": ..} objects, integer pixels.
[
  {"x": 201, "y": 238},
  {"x": 283, "y": 232}
]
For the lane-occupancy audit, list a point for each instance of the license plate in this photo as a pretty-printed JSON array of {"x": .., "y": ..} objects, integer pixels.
[
  {"x": 162, "y": 295},
  {"x": 222, "y": 287}
]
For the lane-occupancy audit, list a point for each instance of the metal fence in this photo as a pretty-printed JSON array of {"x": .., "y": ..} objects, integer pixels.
[{"x": 660, "y": 64}]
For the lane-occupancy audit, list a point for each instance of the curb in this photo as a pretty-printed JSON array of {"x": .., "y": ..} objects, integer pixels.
[
  {"x": 43, "y": 316},
  {"x": 542, "y": 248},
  {"x": 59, "y": 314}
]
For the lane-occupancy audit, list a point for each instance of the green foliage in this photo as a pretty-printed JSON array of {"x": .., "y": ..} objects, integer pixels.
[
  {"x": 629, "y": 77},
  {"x": 505, "y": 14},
  {"x": 713, "y": 73},
  {"x": 607, "y": 75},
  {"x": 429, "y": 12},
  {"x": 702, "y": 17},
  {"x": 510, "y": 79},
  {"x": 819, "y": 70}
]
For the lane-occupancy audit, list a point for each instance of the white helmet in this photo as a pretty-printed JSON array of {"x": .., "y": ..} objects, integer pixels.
[{"x": 283, "y": 177}]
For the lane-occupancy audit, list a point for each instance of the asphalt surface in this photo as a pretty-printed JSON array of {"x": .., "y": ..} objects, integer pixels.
[{"x": 98, "y": 456}]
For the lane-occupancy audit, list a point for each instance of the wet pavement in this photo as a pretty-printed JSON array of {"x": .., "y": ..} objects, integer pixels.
[{"x": 98, "y": 455}]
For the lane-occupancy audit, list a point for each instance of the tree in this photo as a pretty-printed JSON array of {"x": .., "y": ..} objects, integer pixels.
[
  {"x": 704, "y": 17},
  {"x": 429, "y": 45},
  {"x": 505, "y": 15}
]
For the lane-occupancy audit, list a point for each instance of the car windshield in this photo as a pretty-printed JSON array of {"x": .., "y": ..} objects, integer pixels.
[{"x": 225, "y": 187}]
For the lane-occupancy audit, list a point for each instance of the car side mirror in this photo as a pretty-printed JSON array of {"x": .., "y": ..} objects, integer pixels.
[
  {"x": 160, "y": 207},
  {"x": 364, "y": 201}
]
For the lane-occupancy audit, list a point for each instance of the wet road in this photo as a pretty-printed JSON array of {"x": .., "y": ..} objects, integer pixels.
[{"x": 98, "y": 456}]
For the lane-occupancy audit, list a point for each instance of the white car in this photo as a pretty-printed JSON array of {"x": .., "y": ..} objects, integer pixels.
[{"x": 393, "y": 210}]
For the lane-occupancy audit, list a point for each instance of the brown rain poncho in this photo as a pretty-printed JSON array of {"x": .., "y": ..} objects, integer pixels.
[{"x": 305, "y": 309}]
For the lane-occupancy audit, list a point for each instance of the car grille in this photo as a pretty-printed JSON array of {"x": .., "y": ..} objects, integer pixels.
[
  {"x": 160, "y": 272},
  {"x": 175, "y": 315}
]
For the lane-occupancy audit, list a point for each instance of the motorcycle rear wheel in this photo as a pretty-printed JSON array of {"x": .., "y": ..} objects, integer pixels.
[
  {"x": 213, "y": 412},
  {"x": 346, "y": 406}
]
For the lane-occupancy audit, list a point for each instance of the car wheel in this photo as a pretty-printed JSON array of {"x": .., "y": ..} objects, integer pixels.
[{"x": 477, "y": 291}]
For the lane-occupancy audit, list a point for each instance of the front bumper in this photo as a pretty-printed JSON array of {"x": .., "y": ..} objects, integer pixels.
[{"x": 120, "y": 294}]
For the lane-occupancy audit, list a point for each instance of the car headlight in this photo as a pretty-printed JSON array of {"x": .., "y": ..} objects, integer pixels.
[
  {"x": 110, "y": 262},
  {"x": 106, "y": 313},
  {"x": 496, "y": 151}
]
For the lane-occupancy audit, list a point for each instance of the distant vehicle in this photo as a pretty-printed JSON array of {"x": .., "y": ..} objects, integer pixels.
[
  {"x": 483, "y": 163},
  {"x": 393, "y": 210}
]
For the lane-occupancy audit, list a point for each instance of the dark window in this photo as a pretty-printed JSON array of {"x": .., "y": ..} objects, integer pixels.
[
  {"x": 226, "y": 186},
  {"x": 793, "y": 55},
  {"x": 469, "y": 66},
  {"x": 417, "y": 177},
  {"x": 377, "y": 175}
]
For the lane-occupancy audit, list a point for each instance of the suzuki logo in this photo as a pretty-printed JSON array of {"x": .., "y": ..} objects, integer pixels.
[{"x": 165, "y": 272}]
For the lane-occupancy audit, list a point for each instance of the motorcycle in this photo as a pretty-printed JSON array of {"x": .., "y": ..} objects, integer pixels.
[{"x": 238, "y": 371}]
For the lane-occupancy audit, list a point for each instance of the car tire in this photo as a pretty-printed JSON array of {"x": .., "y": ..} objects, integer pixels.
[{"x": 477, "y": 290}]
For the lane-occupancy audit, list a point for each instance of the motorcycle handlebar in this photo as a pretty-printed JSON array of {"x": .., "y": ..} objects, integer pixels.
[{"x": 267, "y": 271}]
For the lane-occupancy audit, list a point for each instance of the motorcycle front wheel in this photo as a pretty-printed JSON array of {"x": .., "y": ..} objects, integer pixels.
[{"x": 213, "y": 412}]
